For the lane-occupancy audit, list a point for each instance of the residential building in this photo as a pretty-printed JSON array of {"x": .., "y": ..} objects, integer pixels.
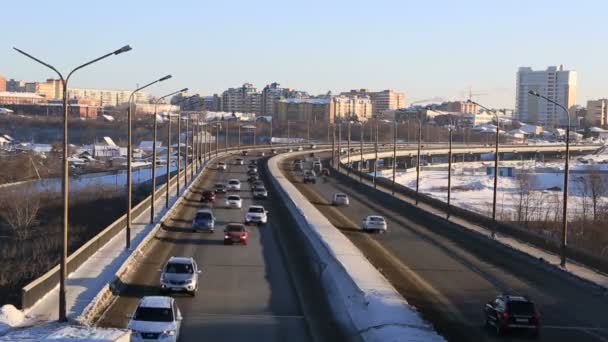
[
  {"x": 212, "y": 103},
  {"x": 324, "y": 109},
  {"x": 244, "y": 99},
  {"x": 107, "y": 97},
  {"x": 597, "y": 113},
  {"x": 2, "y": 83},
  {"x": 556, "y": 84},
  {"x": 50, "y": 89},
  {"x": 148, "y": 108},
  {"x": 313, "y": 109},
  {"x": 459, "y": 107},
  {"x": 381, "y": 100},
  {"x": 272, "y": 93},
  {"x": 15, "y": 86}
]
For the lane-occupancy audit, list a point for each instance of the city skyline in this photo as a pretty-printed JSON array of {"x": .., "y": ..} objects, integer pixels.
[{"x": 424, "y": 50}]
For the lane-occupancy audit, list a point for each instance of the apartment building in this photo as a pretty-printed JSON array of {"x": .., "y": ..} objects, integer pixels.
[
  {"x": 459, "y": 107},
  {"x": 107, "y": 97},
  {"x": 324, "y": 109},
  {"x": 556, "y": 84},
  {"x": 245, "y": 99},
  {"x": 597, "y": 113},
  {"x": 381, "y": 100},
  {"x": 273, "y": 92},
  {"x": 2, "y": 83}
]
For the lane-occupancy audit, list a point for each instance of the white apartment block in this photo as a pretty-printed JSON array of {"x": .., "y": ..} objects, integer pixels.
[
  {"x": 245, "y": 99},
  {"x": 556, "y": 84},
  {"x": 107, "y": 97}
]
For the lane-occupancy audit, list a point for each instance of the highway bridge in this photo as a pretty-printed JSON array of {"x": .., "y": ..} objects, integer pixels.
[{"x": 269, "y": 290}]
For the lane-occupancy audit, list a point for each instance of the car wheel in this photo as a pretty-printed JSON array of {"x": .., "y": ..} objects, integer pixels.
[{"x": 193, "y": 293}]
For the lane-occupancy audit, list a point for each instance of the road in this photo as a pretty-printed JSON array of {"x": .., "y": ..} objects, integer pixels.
[
  {"x": 246, "y": 292},
  {"x": 448, "y": 277}
]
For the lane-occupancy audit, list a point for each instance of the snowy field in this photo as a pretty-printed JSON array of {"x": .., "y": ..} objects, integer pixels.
[{"x": 540, "y": 191}]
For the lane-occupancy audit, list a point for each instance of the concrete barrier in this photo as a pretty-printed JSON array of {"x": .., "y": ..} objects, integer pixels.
[{"x": 364, "y": 304}]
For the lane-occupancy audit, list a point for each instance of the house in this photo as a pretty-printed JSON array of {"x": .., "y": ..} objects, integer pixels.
[{"x": 503, "y": 171}]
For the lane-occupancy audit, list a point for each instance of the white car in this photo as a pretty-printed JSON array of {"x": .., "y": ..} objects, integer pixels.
[
  {"x": 238, "y": 161},
  {"x": 233, "y": 184},
  {"x": 340, "y": 199},
  {"x": 222, "y": 166},
  {"x": 234, "y": 202},
  {"x": 156, "y": 318},
  {"x": 300, "y": 148},
  {"x": 256, "y": 214},
  {"x": 181, "y": 275},
  {"x": 374, "y": 223}
]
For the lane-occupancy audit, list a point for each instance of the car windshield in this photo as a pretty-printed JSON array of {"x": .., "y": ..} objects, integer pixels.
[
  {"x": 259, "y": 189},
  {"x": 235, "y": 228},
  {"x": 203, "y": 216},
  {"x": 219, "y": 185},
  {"x": 153, "y": 314},
  {"x": 234, "y": 182},
  {"x": 256, "y": 210},
  {"x": 179, "y": 268},
  {"x": 340, "y": 195},
  {"x": 521, "y": 308},
  {"x": 233, "y": 198},
  {"x": 376, "y": 219},
  {"x": 208, "y": 193}
]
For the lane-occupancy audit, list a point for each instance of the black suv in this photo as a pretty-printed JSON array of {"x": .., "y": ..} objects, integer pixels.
[{"x": 509, "y": 312}]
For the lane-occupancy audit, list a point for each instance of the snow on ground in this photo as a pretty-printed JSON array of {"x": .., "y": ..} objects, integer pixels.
[
  {"x": 59, "y": 332},
  {"x": 472, "y": 188},
  {"x": 10, "y": 317}
]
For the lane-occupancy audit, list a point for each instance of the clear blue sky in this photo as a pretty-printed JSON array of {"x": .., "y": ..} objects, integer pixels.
[{"x": 425, "y": 48}]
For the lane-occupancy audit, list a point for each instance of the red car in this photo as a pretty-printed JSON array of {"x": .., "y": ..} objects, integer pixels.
[
  {"x": 235, "y": 233},
  {"x": 208, "y": 196}
]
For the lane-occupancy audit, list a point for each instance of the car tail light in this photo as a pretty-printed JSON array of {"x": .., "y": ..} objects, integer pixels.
[
  {"x": 537, "y": 317},
  {"x": 244, "y": 236},
  {"x": 226, "y": 237},
  {"x": 505, "y": 316}
]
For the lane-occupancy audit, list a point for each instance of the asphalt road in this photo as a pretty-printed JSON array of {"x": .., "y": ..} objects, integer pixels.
[
  {"x": 245, "y": 292},
  {"x": 448, "y": 277}
]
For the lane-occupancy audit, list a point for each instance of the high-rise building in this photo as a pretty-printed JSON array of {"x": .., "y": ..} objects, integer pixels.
[
  {"x": 245, "y": 99},
  {"x": 556, "y": 84},
  {"x": 381, "y": 100},
  {"x": 597, "y": 113},
  {"x": 2, "y": 83},
  {"x": 272, "y": 93}
]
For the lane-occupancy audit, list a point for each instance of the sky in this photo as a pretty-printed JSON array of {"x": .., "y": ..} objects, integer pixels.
[{"x": 427, "y": 49}]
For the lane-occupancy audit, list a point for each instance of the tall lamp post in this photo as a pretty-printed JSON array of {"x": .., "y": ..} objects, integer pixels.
[
  {"x": 418, "y": 159},
  {"x": 153, "y": 197},
  {"x": 495, "y": 161},
  {"x": 394, "y": 154},
  {"x": 65, "y": 169},
  {"x": 348, "y": 148},
  {"x": 361, "y": 133},
  {"x": 130, "y": 157},
  {"x": 564, "y": 244},
  {"x": 376, "y": 152},
  {"x": 450, "y": 129}
]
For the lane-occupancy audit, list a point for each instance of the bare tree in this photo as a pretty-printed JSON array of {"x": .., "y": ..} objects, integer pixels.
[
  {"x": 19, "y": 209},
  {"x": 598, "y": 188}
]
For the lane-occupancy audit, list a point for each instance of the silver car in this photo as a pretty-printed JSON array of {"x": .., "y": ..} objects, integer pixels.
[
  {"x": 204, "y": 221},
  {"x": 180, "y": 274},
  {"x": 374, "y": 223}
]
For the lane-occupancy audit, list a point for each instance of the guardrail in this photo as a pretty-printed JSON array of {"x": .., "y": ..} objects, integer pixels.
[{"x": 38, "y": 288}]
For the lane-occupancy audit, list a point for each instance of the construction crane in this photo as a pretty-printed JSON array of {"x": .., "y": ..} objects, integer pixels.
[{"x": 471, "y": 94}]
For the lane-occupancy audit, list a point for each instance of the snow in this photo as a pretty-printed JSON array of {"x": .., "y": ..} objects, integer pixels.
[
  {"x": 10, "y": 317},
  {"x": 363, "y": 301},
  {"x": 64, "y": 332},
  {"x": 472, "y": 187}
]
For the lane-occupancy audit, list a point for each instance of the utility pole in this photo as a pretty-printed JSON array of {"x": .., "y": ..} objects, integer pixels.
[
  {"x": 361, "y": 133},
  {"x": 418, "y": 160},
  {"x": 348, "y": 150}
]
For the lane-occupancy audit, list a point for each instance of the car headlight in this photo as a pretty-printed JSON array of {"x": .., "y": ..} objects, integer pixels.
[{"x": 168, "y": 333}]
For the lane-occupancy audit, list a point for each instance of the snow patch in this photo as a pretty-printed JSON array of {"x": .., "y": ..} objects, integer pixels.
[{"x": 10, "y": 317}]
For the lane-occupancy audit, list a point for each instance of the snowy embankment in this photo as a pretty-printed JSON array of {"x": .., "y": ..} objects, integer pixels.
[
  {"x": 538, "y": 186},
  {"x": 13, "y": 319},
  {"x": 366, "y": 306}
]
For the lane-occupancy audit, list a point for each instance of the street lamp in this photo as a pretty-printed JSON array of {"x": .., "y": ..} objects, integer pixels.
[
  {"x": 130, "y": 157},
  {"x": 418, "y": 159},
  {"x": 566, "y": 174},
  {"x": 394, "y": 154},
  {"x": 65, "y": 169},
  {"x": 348, "y": 149},
  {"x": 153, "y": 198},
  {"x": 450, "y": 129},
  {"x": 361, "y": 133},
  {"x": 376, "y": 152},
  {"x": 495, "y": 162}
]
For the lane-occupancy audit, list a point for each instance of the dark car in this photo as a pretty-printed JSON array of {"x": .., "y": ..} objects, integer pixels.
[
  {"x": 208, "y": 196},
  {"x": 253, "y": 178},
  {"x": 509, "y": 312},
  {"x": 256, "y": 183},
  {"x": 235, "y": 233},
  {"x": 245, "y": 152},
  {"x": 325, "y": 172},
  {"x": 220, "y": 188},
  {"x": 252, "y": 172},
  {"x": 260, "y": 192},
  {"x": 204, "y": 221},
  {"x": 309, "y": 177}
]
